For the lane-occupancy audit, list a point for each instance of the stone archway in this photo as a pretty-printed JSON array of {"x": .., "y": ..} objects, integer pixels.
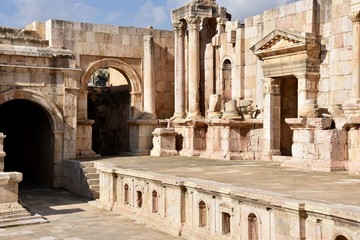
[
  {"x": 33, "y": 126},
  {"x": 108, "y": 138},
  {"x": 130, "y": 75}
]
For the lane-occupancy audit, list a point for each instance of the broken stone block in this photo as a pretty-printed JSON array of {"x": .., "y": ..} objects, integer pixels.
[{"x": 164, "y": 142}]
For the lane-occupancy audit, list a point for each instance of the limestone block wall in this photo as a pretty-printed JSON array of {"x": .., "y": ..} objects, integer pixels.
[
  {"x": 336, "y": 40},
  {"x": 327, "y": 19},
  {"x": 74, "y": 179},
  {"x": 198, "y": 209},
  {"x": 154, "y": 200},
  {"x": 91, "y": 42}
]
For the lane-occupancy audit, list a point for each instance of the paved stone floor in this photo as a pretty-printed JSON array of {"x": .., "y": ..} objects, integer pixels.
[
  {"x": 72, "y": 218},
  {"x": 336, "y": 187}
]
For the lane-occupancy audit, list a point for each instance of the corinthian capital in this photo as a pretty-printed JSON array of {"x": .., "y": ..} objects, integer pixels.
[
  {"x": 355, "y": 16},
  {"x": 193, "y": 23},
  {"x": 179, "y": 27}
]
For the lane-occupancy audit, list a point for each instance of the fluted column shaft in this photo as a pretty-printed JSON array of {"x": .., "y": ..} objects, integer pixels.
[
  {"x": 179, "y": 70},
  {"x": 149, "y": 80},
  {"x": 194, "y": 67},
  {"x": 355, "y": 87}
]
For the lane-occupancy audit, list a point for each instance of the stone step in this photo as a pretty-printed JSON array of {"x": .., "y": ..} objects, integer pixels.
[
  {"x": 92, "y": 175},
  {"x": 93, "y": 182},
  {"x": 87, "y": 164},
  {"x": 89, "y": 170},
  {"x": 96, "y": 195},
  {"x": 20, "y": 221},
  {"x": 95, "y": 188}
]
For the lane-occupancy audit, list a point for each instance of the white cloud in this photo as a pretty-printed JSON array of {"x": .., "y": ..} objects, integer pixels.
[
  {"x": 151, "y": 14},
  {"x": 32, "y": 10},
  {"x": 241, "y": 9},
  {"x": 113, "y": 15}
]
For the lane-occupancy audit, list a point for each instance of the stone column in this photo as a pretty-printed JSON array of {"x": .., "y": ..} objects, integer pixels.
[
  {"x": 179, "y": 70},
  {"x": 272, "y": 115},
  {"x": 355, "y": 86},
  {"x": 307, "y": 94},
  {"x": 2, "y": 153},
  {"x": 149, "y": 81},
  {"x": 194, "y": 67},
  {"x": 220, "y": 27}
]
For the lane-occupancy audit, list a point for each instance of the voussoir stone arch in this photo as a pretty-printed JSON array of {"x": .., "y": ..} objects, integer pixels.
[
  {"x": 129, "y": 73},
  {"x": 51, "y": 110}
]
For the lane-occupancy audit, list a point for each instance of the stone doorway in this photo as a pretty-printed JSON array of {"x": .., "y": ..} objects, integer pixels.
[
  {"x": 29, "y": 142},
  {"x": 109, "y": 106},
  {"x": 289, "y": 109}
]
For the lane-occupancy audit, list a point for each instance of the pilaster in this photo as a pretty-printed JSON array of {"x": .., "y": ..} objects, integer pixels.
[{"x": 272, "y": 114}]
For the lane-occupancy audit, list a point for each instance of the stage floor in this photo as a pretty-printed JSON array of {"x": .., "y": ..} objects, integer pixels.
[{"x": 259, "y": 176}]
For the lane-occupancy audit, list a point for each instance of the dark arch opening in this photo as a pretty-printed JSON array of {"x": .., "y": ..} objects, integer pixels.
[
  {"x": 29, "y": 142},
  {"x": 226, "y": 81},
  {"x": 109, "y": 105},
  {"x": 341, "y": 237}
]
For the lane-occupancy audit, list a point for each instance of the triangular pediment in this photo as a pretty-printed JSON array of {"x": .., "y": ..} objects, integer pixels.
[{"x": 279, "y": 42}]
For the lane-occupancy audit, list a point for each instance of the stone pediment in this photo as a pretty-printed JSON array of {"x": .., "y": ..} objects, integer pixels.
[{"x": 279, "y": 42}]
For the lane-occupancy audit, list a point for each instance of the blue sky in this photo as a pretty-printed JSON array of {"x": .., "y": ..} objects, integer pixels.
[{"x": 137, "y": 13}]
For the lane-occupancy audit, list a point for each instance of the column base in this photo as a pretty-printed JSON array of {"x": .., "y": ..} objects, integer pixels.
[
  {"x": 149, "y": 116},
  {"x": 179, "y": 115},
  {"x": 214, "y": 115},
  {"x": 194, "y": 115}
]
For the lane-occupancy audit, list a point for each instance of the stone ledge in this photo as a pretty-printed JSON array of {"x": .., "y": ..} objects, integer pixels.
[{"x": 10, "y": 177}]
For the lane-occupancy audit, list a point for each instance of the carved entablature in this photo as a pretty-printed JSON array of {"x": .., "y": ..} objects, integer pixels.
[
  {"x": 285, "y": 53},
  {"x": 205, "y": 2},
  {"x": 200, "y": 8},
  {"x": 279, "y": 42}
]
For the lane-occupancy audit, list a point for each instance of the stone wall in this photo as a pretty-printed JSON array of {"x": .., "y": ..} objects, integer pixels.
[
  {"x": 330, "y": 21},
  {"x": 92, "y": 42},
  {"x": 200, "y": 209}
]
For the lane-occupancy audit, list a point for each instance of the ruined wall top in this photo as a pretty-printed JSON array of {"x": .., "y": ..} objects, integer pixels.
[
  {"x": 199, "y": 8},
  {"x": 205, "y": 2}
]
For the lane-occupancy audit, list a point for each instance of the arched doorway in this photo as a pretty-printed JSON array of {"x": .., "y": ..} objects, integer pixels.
[
  {"x": 226, "y": 81},
  {"x": 111, "y": 103},
  {"x": 29, "y": 142},
  {"x": 341, "y": 237}
]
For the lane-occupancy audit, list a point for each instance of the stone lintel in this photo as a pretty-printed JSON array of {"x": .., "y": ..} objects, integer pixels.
[
  {"x": 309, "y": 123},
  {"x": 145, "y": 122},
  {"x": 85, "y": 122}
]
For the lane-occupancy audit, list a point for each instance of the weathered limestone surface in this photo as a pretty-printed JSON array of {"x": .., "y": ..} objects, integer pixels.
[
  {"x": 164, "y": 142},
  {"x": 11, "y": 212},
  {"x": 316, "y": 146},
  {"x": 2, "y": 153},
  {"x": 197, "y": 208}
]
